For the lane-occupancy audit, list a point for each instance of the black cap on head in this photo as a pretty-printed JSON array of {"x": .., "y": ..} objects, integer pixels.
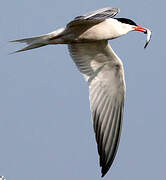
[{"x": 126, "y": 21}]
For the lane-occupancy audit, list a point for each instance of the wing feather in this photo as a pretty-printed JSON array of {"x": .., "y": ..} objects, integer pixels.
[
  {"x": 94, "y": 17},
  {"x": 100, "y": 14},
  {"x": 103, "y": 71}
]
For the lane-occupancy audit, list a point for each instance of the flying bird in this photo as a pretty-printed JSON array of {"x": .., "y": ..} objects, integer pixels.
[{"x": 87, "y": 39}]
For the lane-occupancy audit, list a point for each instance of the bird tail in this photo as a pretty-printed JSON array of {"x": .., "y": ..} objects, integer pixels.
[{"x": 39, "y": 41}]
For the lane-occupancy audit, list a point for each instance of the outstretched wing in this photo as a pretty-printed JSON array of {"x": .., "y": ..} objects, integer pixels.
[
  {"x": 95, "y": 16},
  {"x": 104, "y": 73}
]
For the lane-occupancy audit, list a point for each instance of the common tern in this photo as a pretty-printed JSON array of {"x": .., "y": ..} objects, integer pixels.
[{"x": 87, "y": 39}]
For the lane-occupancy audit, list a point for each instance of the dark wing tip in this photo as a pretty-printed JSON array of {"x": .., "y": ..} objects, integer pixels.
[
  {"x": 104, "y": 172},
  {"x": 105, "y": 168},
  {"x": 107, "y": 157}
]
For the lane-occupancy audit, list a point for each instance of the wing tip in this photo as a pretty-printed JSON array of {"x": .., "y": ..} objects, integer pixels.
[
  {"x": 104, "y": 171},
  {"x": 115, "y": 9},
  {"x": 118, "y": 9}
]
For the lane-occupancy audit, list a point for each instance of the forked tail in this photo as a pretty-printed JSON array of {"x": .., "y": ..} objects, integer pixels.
[{"x": 38, "y": 41}]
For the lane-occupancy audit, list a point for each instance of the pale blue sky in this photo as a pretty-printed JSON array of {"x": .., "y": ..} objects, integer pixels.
[{"x": 45, "y": 126}]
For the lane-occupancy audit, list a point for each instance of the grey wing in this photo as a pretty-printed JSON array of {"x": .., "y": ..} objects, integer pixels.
[
  {"x": 106, "y": 91},
  {"x": 107, "y": 106},
  {"x": 100, "y": 14},
  {"x": 95, "y": 16},
  {"x": 87, "y": 57}
]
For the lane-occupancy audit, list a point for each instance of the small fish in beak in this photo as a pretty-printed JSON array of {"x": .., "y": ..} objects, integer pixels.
[
  {"x": 148, "y": 37},
  {"x": 145, "y": 31}
]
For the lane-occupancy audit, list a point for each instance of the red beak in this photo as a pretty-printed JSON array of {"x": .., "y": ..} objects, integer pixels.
[{"x": 139, "y": 28}]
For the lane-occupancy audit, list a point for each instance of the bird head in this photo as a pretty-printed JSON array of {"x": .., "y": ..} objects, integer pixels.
[{"x": 129, "y": 25}]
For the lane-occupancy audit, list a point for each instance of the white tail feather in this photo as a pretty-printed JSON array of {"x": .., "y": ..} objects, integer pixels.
[{"x": 38, "y": 41}]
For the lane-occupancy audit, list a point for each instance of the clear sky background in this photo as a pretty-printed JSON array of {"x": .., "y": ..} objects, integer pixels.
[{"x": 45, "y": 126}]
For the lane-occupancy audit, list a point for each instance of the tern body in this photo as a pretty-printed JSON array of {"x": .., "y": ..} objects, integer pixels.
[
  {"x": 87, "y": 39},
  {"x": 105, "y": 30}
]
